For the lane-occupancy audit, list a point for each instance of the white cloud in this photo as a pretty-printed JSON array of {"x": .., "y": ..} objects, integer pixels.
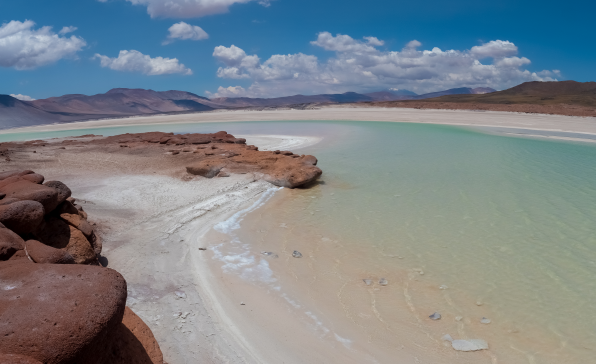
[
  {"x": 22, "y": 97},
  {"x": 135, "y": 61},
  {"x": 185, "y": 31},
  {"x": 494, "y": 49},
  {"x": 189, "y": 8},
  {"x": 67, "y": 30},
  {"x": 232, "y": 91},
  {"x": 359, "y": 65},
  {"x": 23, "y": 47}
]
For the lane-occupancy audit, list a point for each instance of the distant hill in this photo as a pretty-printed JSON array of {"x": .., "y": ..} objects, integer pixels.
[
  {"x": 123, "y": 102},
  {"x": 292, "y": 100},
  {"x": 535, "y": 93}
]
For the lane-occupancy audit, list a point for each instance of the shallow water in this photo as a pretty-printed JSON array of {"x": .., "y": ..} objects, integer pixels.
[{"x": 459, "y": 222}]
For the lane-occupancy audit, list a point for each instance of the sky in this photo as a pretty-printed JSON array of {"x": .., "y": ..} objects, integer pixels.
[{"x": 270, "y": 48}]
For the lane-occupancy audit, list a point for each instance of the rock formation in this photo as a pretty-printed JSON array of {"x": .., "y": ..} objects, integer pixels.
[
  {"x": 208, "y": 155},
  {"x": 58, "y": 305}
]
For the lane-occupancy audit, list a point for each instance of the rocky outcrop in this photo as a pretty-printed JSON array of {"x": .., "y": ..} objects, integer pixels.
[
  {"x": 58, "y": 306},
  {"x": 207, "y": 155}
]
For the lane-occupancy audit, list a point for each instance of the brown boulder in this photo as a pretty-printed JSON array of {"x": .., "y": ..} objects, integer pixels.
[
  {"x": 10, "y": 243},
  {"x": 56, "y": 233},
  {"x": 133, "y": 343},
  {"x": 17, "y": 359},
  {"x": 27, "y": 190},
  {"x": 60, "y": 313},
  {"x": 34, "y": 177},
  {"x": 78, "y": 222},
  {"x": 96, "y": 244},
  {"x": 22, "y": 216},
  {"x": 63, "y": 191},
  {"x": 43, "y": 254},
  {"x": 207, "y": 168},
  {"x": 8, "y": 174}
]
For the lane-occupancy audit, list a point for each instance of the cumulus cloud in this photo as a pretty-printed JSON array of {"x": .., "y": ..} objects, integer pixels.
[
  {"x": 189, "y": 8},
  {"x": 185, "y": 31},
  {"x": 22, "y": 97},
  {"x": 359, "y": 65},
  {"x": 23, "y": 47},
  {"x": 135, "y": 61}
]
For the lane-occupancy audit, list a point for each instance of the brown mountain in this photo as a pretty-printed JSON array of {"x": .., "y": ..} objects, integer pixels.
[
  {"x": 292, "y": 100},
  {"x": 536, "y": 93}
]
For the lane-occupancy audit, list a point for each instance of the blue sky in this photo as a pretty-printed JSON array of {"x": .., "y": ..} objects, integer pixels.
[{"x": 284, "y": 47}]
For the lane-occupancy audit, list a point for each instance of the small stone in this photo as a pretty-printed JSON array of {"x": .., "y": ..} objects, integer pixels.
[
  {"x": 202, "y": 248},
  {"x": 270, "y": 254},
  {"x": 469, "y": 345},
  {"x": 180, "y": 294},
  {"x": 242, "y": 303},
  {"x": 479, "y": 303},
  {"x": 383, "y": 282},
  {"x": 458, "y": 318},
  {"x": 485, "y": 321},
  {"x": 368, "y": 282},
  {"x": 443, "y": 287},
  {"x": 435, "y": 316},
  {"x": 297, "y": 254}
]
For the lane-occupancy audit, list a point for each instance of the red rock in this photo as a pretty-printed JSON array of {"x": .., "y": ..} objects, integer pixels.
[
  {"x": 63, "y": 191},
  {"x": 134, "y": 343},
  {"x": 58, "y": 313},
  {"x": 22, "y": 217},
  {"x": 78, "y": 222},
  {"x": 17, "y": 359},
  {"x": 18, "y": 173},
  {"x": 34, "y": 177},
  {"x": 207, "y": 168},
  {"x": 56, "y": 233},
  {"x": 43, "y": 254},
  {"x": 10, "y": 243},
  {"x": 20, "y": 256},
  {"x": 26, "y": 190},
  {"x": 96, "y": 244}
]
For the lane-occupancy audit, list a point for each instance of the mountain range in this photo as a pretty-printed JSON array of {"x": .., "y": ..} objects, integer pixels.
[{"x": 122, "y": 102}]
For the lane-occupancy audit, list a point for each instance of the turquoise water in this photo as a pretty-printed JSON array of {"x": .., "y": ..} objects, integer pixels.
[{"x": 506, "y": 224}]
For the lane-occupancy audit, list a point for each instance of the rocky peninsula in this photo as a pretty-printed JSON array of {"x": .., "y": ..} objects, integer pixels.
[{"x": 60, "y": 304}]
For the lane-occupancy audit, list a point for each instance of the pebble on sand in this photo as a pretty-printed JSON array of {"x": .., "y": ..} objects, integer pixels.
[
  {"x": 368, "y": 282},
  {"x": 270, "y": 254},
  {"x": 202, "y": 248},
  {"x": 297, "y": 254},
  {"x": 435, "y": 316},
  {"x": 383, "y": 282},
  {"x": 485, "y": 321},
  {"x": 180, "y": 294}
]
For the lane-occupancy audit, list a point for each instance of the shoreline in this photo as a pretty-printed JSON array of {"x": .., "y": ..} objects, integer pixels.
[{"x": 543, "y": 125}]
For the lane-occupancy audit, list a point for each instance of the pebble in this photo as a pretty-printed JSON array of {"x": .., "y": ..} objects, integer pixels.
[
  {"x": 297, "y": 254},
  {"x": 435, "y": 316},
  {"x": 443, "y": 287},
  {"x": 383, "y": 282},
  {"x": 202, "y": 248},
  {"x": 469, "y": 345},
  {"x": 479, "y": 303},
  {"x": 180, "y": 294},
  {"x": 242, "y": 304},
  {"x": 270, "y": 254},
  {"x": 368, "y": 282},
  {"x": 458, "y": 318},
  {"x": 485, "y": 321}
]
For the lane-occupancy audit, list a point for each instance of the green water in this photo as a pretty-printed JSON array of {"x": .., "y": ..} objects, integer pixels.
[{"x": 504, "y": 222}]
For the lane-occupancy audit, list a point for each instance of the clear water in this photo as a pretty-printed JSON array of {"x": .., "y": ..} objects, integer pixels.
[{"x": 506, "y": 224}]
